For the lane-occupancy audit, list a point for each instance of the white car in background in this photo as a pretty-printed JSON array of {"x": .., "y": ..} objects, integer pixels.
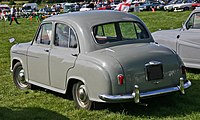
[
  {"x": 179, "y": 5},
  {"x": 30, "y": 7},
  {"x": 184, "y": 41},
  {"x": 169, "y": 7},
  {"x": 186, "y": 5},
  {"x": 85, "y": 8}
]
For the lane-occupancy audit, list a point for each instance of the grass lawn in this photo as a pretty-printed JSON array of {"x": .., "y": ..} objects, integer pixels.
[
  {"x": 17, "y": 2},
  {"x": 42, "y": 104}
]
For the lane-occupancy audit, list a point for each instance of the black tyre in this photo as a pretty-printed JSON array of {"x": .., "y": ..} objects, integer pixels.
[
  {"x": 19, "y": 78},
  {"x": 80, "y": 96},
  {"x": 186, "y": 8}
]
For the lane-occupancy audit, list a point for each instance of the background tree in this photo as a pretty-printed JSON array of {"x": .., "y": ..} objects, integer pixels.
[
  {"x": 12, "y": 2},
  {"x": 35, "y": 1},
  {"x": 31, "y": 1}
]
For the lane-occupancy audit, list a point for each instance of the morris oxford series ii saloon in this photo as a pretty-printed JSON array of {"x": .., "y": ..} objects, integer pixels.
[{"x": 97, "y": 56}]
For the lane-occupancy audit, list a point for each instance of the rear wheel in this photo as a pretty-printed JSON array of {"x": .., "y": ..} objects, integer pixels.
[
  {"x": 19, "y": 78},
  {"x": 186, "y": 8},
  {"x": 80, "y": 96}
]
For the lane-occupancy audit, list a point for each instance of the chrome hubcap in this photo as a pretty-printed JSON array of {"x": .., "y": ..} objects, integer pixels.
[
  {"x": 82, "y": 96},
  {"x": 21, "y": 79},
  {"x": 82, "y": 93},
  {"x": 21, "y": 74}
]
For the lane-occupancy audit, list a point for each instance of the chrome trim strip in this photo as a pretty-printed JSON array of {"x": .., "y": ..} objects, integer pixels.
[{"x": 127, "y": 97}]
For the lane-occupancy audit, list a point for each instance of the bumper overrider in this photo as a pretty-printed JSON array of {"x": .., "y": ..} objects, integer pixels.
[{"x": 136, "y": 95}]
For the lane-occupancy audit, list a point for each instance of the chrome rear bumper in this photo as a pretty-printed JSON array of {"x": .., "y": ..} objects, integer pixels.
[{"x": 136, "y": 95}]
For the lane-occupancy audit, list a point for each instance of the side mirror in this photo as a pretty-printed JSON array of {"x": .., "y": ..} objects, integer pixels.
[{"x": 11, "y": 40}]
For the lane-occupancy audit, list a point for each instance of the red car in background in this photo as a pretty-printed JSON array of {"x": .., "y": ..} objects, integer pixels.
[
  {"x": 106, "y": 6},
  {"x": 196, "y": 4}
]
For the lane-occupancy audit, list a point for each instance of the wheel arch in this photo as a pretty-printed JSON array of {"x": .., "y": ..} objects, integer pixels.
[
  {"x": 95, "y": 77},
  {"x": 69, "y": 86},
  {"x": 16, "y": 60},
  {"x": 19, "y": 75}
]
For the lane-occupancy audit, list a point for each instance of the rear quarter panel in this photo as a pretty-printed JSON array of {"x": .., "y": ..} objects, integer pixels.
[
  {"x": 167, "y": 38},
  {"x": 99, "y": 75}
]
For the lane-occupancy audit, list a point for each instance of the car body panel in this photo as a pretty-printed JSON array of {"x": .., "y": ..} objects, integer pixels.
[
  {"x": 98, "y": 65},
  {"x": 37, "y": 54},
  {"x": 62, "y": 63},
  {"x": 138, "y": 55},
  {"x": 189, "y": 41},
  {"x": 169, "y": 39}
]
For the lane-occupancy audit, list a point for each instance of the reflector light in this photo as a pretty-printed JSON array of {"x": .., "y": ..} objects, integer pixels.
[{"x": 120, "y": 79}]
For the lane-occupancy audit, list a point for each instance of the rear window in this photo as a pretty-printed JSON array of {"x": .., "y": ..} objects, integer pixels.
[{"x": 119, "y": 31}]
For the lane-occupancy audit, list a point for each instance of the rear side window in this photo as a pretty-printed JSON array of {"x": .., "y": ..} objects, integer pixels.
[{"x": 119, "y": 31}]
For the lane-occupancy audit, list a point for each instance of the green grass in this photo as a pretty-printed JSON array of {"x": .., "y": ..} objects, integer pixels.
[
  {"x": 163, "y": 20},
  {"x": 42, "y": 104}
]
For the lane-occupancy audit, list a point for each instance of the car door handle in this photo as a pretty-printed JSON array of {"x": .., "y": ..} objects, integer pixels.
[
  {"x": 46, "y": 50},
  {"x": 74, "y": 54}
]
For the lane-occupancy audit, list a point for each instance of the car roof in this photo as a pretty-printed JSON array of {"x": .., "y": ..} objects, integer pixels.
[
  {"x": 84, "y": 21},
  {"x": 90, "y": 18}
]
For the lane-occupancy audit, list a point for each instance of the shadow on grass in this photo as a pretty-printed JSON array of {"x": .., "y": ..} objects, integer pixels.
[
  {"x": 170, "y": 105},
  {"x": 193, "y": 70},
  {"x": 29, "y": 114}
]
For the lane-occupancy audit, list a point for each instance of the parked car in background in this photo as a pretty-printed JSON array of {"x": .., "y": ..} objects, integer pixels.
[
  {"x": 86, "y": 8},
  {"x": 169, "y": 6},
  {"x": 185, "y": 5},
  {"x": 195, "y": 4},
  {"x": 30, "y": 7},
  {"x": 71, "y": 7},
  {"x": 155, "y": 4},
  {"x": 27, "y": 9},
  {"x": 104, "y": 7},
  {"x": 158, "y": 5},
  {"x": 179, "y": 5},
  {"x": 145, "y": 6},
  {"x": 184, "y": 41},
  {"x": 97, "y": 56},
  {"x": 4, "y": 8},
  {"x": 47, "y": 11}
]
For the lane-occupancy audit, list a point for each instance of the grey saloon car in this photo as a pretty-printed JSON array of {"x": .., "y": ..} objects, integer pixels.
[
  {"x": 97, "y": 56},
  {"x": 185, "y": 41}
]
